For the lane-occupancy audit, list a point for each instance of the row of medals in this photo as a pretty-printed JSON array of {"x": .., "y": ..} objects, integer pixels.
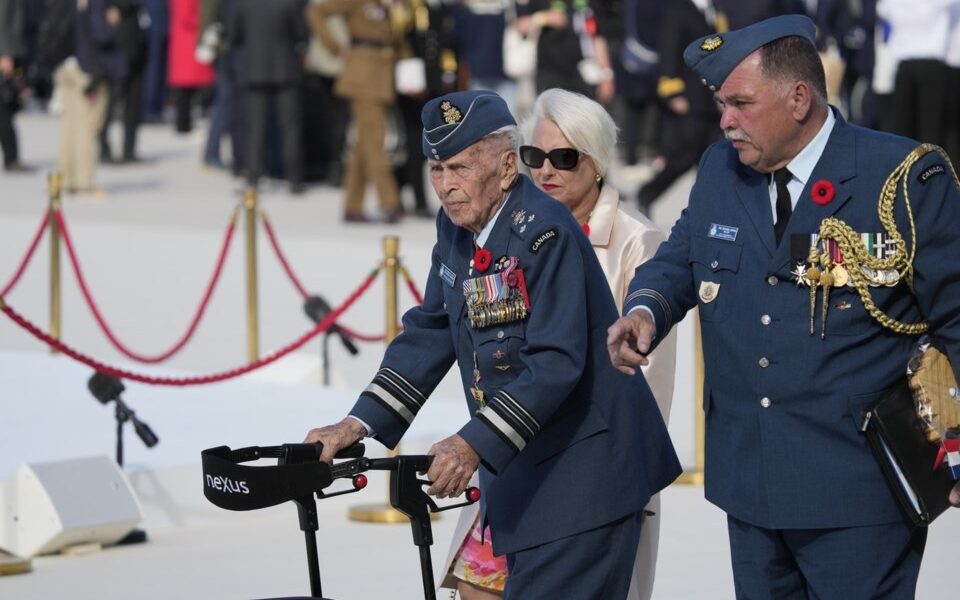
[
  {"x": 506, "y": 311},
  {"x": 807, "y": 274}
]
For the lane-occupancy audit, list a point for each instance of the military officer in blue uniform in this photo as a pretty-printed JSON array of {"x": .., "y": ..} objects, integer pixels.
[
  {"x": 794, "y": 250},
  {"x": 569, "y": 449}
]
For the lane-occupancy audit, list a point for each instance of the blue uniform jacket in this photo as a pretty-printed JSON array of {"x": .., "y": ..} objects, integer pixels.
[
  {"x": 784, "y": 408},
  {"x": 567, "y": 442}
]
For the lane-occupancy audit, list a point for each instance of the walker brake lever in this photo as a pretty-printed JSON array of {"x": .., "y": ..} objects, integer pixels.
[
  {"x": 302, "y": 453},
  {"x": 471, "y": 495}
]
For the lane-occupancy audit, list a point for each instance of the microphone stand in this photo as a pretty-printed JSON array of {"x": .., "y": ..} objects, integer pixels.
[
  {"x": 106, "y": 389},
  {"x": 325, "y": 356},
  {"x": 317, "y": 309}
]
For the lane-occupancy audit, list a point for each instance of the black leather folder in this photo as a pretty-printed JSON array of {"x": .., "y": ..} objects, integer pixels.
[{"x": 897, "y": 437}]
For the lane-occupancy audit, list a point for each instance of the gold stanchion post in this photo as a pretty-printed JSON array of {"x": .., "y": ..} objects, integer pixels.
[
  {"x": 253, "y": 325},
  {"x": 695, "y": 476},
  {"x": 384, "y": 513},
  {"x": 14, "y": 565},
  {"x": 53, "y": 191}
]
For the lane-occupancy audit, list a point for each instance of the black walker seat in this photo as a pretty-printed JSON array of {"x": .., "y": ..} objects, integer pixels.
[{"x": 299, "y": 474}]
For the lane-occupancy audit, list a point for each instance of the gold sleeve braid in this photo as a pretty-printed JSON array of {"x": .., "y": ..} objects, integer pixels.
[{"x": 860, "y": 264}]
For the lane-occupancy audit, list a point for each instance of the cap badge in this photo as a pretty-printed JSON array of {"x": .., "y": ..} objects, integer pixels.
[
  {"x": 711, "y": 43},
  {"x": 451, "y": 114}
]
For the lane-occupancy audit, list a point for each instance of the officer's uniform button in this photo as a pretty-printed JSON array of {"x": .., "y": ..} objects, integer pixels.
[
  {"x": 765, "y": 402},
  {"x": 772, "y": 280},
  {"x": 714, "y": 265},
  {"x": 444, "y": 306},
  {"x": 765, "y": 319},
  {"x": 500, "y": 335},
  {"x": 763, "y": 362}
]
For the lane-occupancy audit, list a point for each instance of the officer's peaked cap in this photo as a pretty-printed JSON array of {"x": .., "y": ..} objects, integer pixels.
[
  {"x": 714, "y": 56},
  {"x": 453, "y": 122}
]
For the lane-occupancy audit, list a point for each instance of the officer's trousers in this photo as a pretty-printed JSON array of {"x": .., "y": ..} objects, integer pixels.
[
  {"x": 80, "y": 125},
  {"x": 368, "y": 161},
  {"x": 853, "y": 563}
]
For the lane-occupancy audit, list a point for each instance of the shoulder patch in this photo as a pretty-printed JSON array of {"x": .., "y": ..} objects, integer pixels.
[
  {"x": 931, "y": 171},
  {"x": 542, "y": 238}
]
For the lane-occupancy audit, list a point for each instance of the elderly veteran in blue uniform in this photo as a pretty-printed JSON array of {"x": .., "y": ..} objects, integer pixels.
[
  {"x": 570, "y": 450},
  {"x": 785, "y": 214}
]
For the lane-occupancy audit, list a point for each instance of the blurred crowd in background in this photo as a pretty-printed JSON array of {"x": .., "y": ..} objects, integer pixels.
[{"x": 330, "y": 91}]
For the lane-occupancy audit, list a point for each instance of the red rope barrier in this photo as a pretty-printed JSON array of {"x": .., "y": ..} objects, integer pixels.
[
  {"x": 191, "y": 328},
  {"x": 412, "y": 286},
  {"x": 350, "y": 333},
  {"x": 323, "y": 325},
  {"x": 281, "y": 257},
  {"x": 271, "y": 235},
  {"x": 26, "y": 258}
]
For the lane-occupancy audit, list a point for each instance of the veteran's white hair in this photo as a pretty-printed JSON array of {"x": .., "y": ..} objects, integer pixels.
[
  {"x": 510, "y": 136},
  {"x": 583, "y": 121}
]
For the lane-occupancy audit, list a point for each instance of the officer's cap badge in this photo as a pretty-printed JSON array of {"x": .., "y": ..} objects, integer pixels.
[
  {"x": 711, "y": 43},
  {"x": 451, "y": 114}
]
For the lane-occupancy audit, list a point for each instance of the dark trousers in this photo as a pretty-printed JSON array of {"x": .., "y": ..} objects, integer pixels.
[
  {"x": 155, "y": 81},
  {"x": 636, "y": 131},
  {"x": 853, "y": 563},
  {"x": 593, "y": 565},
  {"x": 221, "y": 114},
  {"x": 129, "y": 92},
  {"x": 325, "y": 119},
  {"x": 8, "y": 137},
  {"x": 684, "y": 139},
  {"x": 183, "y": 99},
  {"x": 920, "y": 100},
  {"x": 285, "y": 100},
  {"x": 411, "y": 171}
]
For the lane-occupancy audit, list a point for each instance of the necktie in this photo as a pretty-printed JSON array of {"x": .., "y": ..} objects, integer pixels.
[{"x": 784, "y": 206}]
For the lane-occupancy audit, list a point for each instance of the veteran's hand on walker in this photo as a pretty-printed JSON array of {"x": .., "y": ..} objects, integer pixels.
[
  {"x": 629, "y": 340},
  {"x": 336, "y": 437},
  {"x": 955, "y": 495},
  {"x": 454, "y": 462}
]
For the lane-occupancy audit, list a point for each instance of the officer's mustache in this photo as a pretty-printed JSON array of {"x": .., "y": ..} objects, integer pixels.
[{"x": 736, "y": 136}]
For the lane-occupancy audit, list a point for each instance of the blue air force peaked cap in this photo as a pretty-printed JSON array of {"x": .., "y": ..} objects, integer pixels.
[
  {"x": 714, "y": 56},
  {"x": 454, "y": 121}
]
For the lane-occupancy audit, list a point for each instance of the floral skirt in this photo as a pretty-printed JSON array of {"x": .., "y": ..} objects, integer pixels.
[{"x": 476, "y": 564}]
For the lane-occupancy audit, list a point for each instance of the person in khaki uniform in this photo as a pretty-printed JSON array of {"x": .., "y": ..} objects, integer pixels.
[
  {"x": 82, "y": 81},
  {"x": 367, "y": 83}
]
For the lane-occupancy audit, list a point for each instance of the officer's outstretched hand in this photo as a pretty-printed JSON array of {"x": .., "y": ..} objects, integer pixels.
[
  {"x": 336, "y": 437},
  {"x": 955, "y": 495},
  {"x": 454, "y": 462},
  {"x": 629, "y": 340}
]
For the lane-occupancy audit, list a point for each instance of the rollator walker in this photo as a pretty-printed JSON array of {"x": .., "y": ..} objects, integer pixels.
[{"x": 299, "y": 475}]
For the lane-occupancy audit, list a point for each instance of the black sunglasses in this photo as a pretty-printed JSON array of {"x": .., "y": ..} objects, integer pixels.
[{"x": 564, "y": 159}]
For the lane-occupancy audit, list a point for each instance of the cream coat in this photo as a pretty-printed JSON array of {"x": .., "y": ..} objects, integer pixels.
[{"x": 623, "y": 239}]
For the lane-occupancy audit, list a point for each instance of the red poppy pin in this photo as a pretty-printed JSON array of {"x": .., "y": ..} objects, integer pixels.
[
  {"x": 586, "y": 229},
  {"x": 482, "y": 259},
  {"x": 823, "y": 192}
]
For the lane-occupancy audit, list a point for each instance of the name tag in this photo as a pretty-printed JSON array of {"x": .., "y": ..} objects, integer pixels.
[
  {"x": 723, "y": 232},
  {"x": 447, "y": 275}
]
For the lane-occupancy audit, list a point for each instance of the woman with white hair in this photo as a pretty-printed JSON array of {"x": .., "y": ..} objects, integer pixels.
[{"x": 569, "y": 145}]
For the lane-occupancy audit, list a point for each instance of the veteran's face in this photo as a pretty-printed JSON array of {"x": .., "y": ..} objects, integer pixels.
[
  {"x": 472, "y": 183},
  {"x": 576, "y": 187},
  {"x": 757, "y": 116}
]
